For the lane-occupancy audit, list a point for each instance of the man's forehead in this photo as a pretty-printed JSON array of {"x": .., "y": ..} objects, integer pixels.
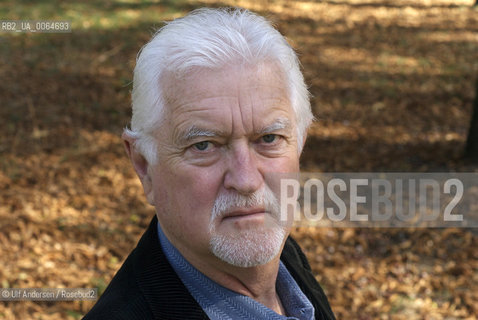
[
  {"x": 204, "y": 82},
  {"x": 234, "y": 100}
]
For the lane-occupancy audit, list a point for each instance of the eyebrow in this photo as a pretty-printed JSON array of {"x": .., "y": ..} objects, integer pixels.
[
  {"x": 194, "y": 132},
  {"x": 278, "y": 124}
]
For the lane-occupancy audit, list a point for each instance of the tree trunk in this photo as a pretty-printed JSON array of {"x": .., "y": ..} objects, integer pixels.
[{"x": 471, "y": 151}]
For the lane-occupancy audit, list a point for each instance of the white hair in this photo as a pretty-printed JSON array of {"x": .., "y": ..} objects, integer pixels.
[{"x": 211, "y": 39}]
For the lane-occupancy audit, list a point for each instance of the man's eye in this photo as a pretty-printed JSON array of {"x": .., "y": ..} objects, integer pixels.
[
  {"x": 202, "y": 146},
  {"x": 269, "y": 138}
]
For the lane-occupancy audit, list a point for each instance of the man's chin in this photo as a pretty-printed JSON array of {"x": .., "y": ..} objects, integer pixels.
[{"x": 248, "y": 248}]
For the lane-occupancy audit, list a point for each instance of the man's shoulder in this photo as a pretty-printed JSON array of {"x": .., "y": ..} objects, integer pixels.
[
  {"x": 122, "y": 298},
  {"x": 146, "y": 287}
]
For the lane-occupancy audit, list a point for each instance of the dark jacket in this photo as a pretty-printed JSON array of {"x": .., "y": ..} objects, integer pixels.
[{"x": 146, "y": 286}]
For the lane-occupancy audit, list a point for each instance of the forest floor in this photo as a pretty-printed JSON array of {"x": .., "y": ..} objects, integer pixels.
[{"x": 392, "y": 85}]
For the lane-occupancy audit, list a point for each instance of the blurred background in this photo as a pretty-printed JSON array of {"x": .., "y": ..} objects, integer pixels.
[{"x": 393, "y": 85}]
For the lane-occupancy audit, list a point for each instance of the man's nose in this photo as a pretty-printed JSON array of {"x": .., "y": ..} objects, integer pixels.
[{"x": 243, "y": 173}]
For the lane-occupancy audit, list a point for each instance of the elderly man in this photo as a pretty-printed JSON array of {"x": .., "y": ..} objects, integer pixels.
[{"x": 219, "y": 103}]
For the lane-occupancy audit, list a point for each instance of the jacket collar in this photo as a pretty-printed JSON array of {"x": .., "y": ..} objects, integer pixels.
[{"x": 160, "y": 285}]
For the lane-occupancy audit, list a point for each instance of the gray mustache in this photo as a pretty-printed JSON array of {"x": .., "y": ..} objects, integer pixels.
[{"x": 228, "y": 201}]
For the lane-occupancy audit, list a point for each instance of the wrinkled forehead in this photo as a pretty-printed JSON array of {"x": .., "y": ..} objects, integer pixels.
[
  {"x": 235, "y": 101},
  {"x": 198, "y": 83}
]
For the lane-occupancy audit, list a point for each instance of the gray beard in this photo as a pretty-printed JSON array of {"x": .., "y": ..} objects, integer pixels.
[
  {"x": 249, "y": 248},
  {"x": 252, "y": 247}
]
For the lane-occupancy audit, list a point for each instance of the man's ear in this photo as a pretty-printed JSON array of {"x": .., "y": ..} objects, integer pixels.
[{"x": 140, "y": 165}]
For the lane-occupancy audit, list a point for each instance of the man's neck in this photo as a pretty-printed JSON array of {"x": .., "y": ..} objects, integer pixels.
[{"x": 258, "y": 283}]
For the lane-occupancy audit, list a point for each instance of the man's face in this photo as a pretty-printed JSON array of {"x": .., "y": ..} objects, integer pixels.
[{"x": 223, "y": 132}]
